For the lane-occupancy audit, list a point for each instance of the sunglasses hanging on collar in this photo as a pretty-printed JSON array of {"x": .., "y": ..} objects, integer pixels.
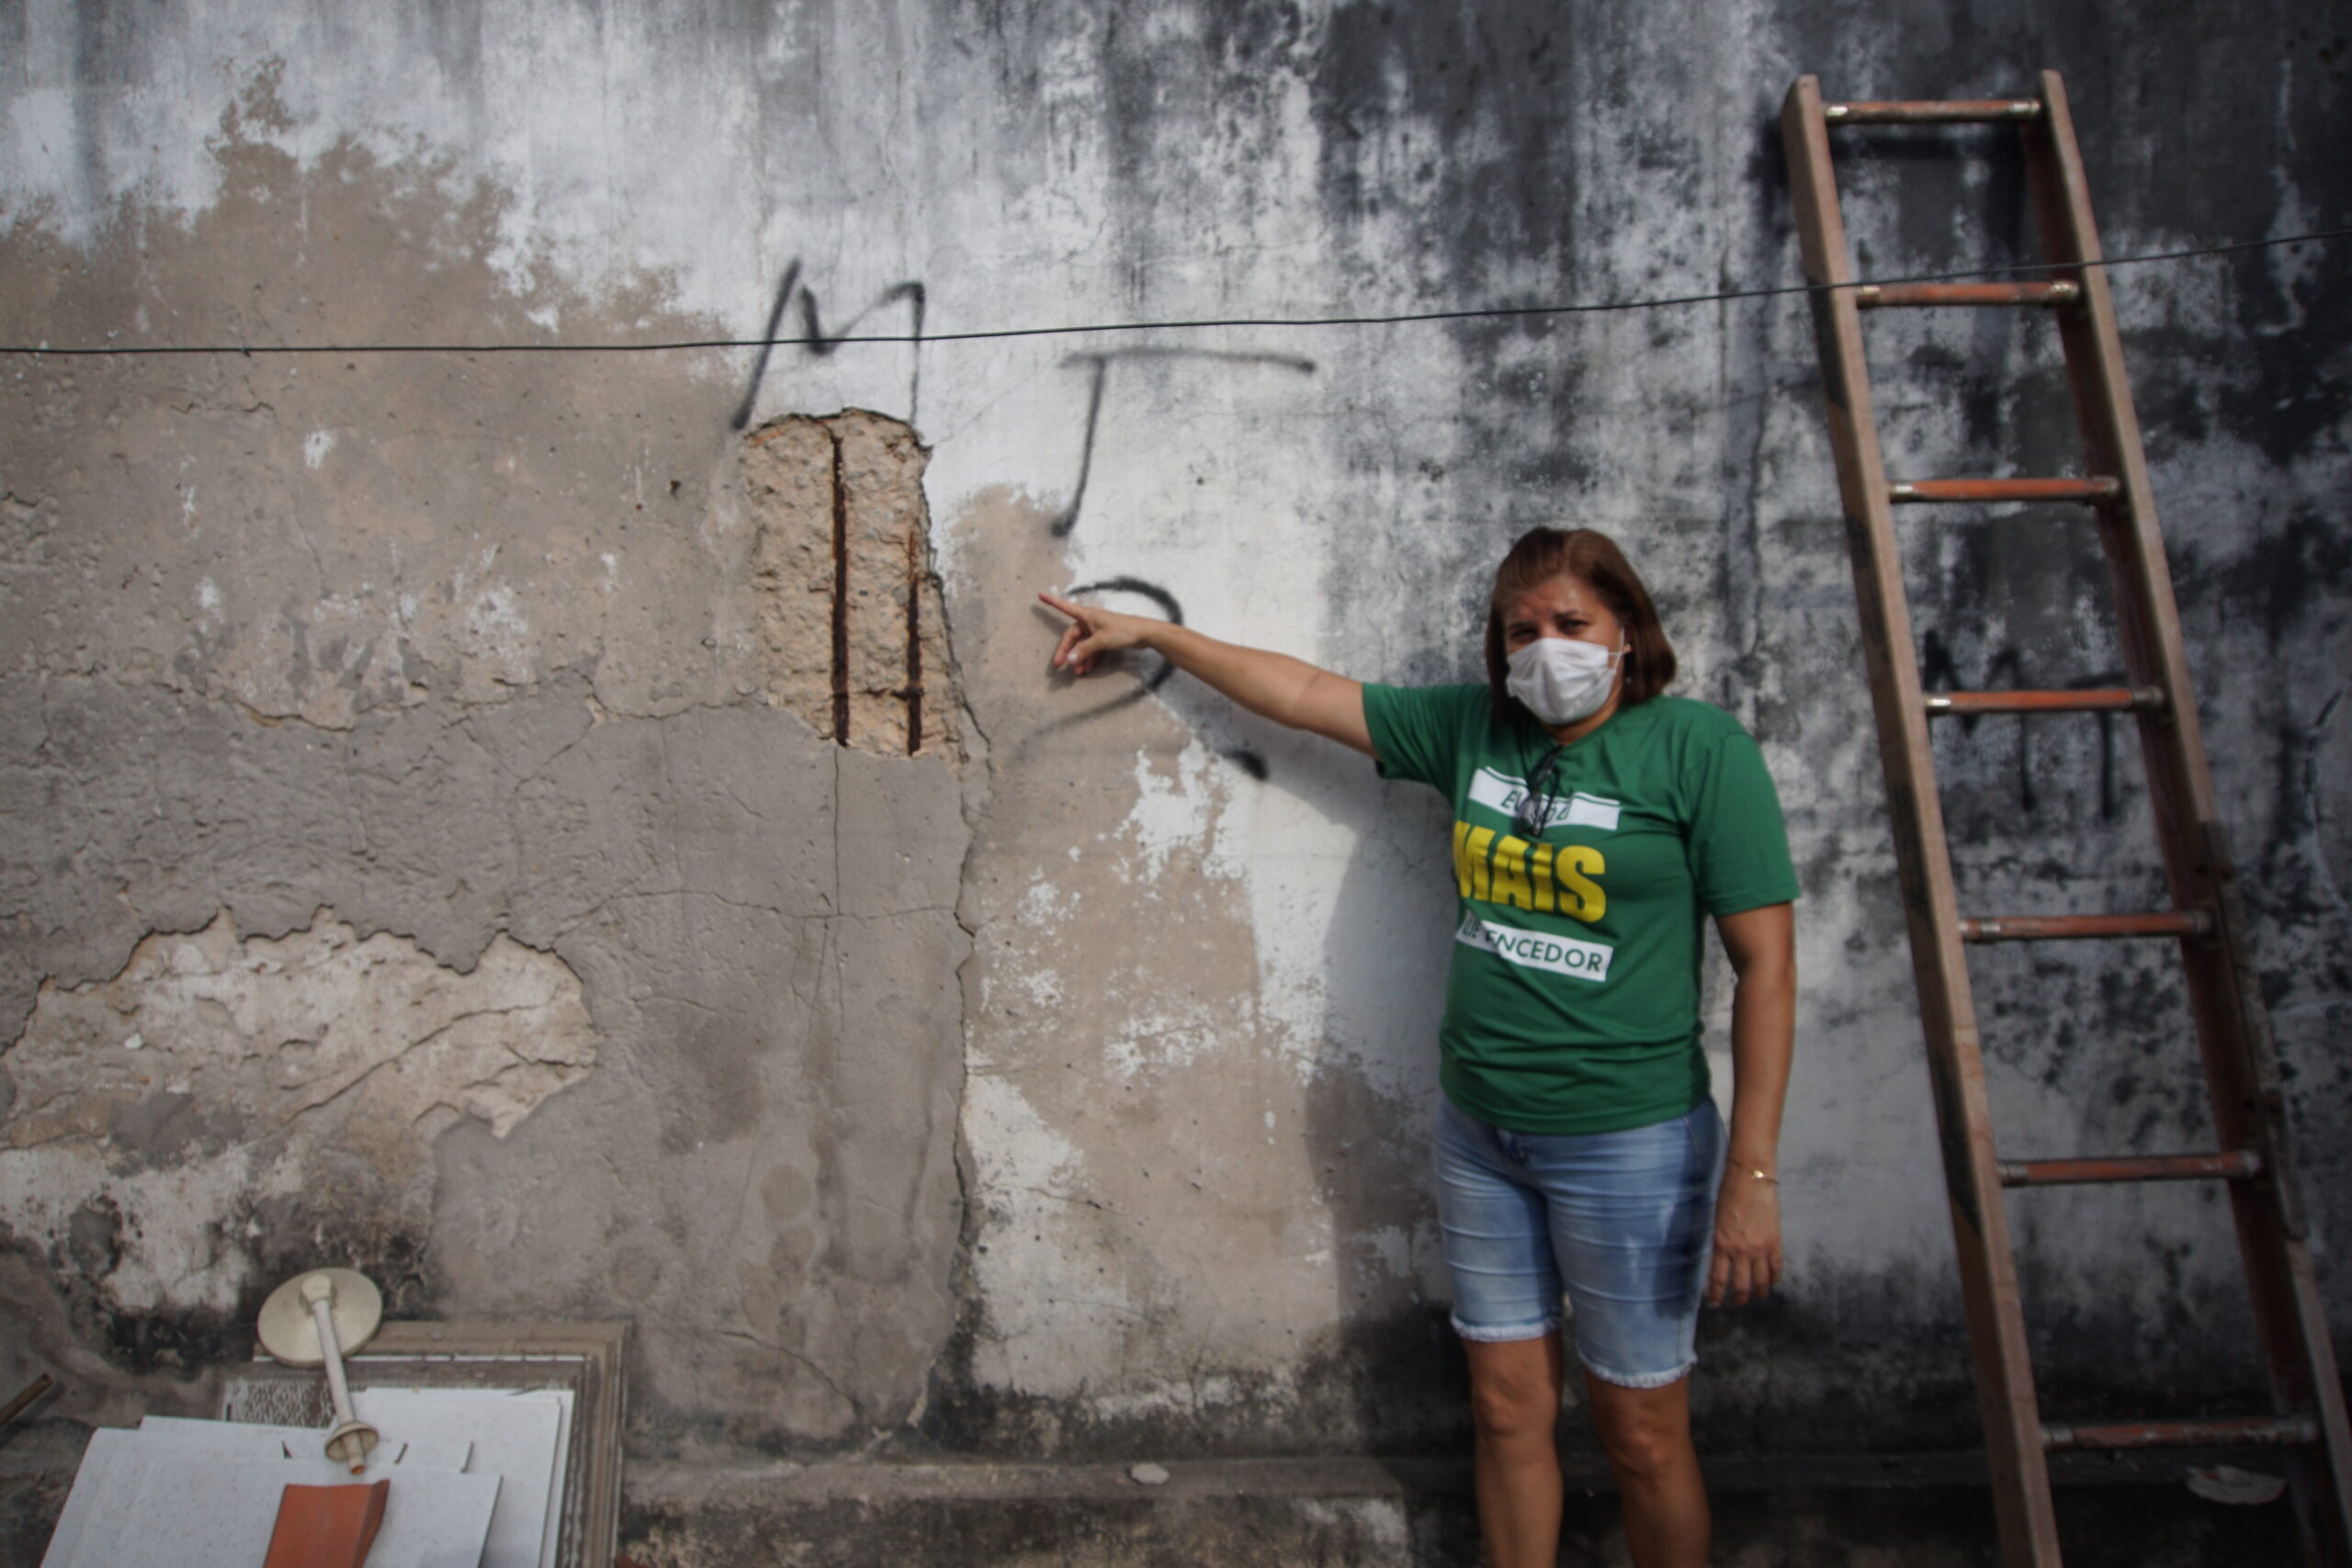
[{"x": 1537, "y": 795}]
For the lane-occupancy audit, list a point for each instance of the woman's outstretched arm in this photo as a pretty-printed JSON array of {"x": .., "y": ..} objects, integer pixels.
[{"x": 1273, "y": 685}]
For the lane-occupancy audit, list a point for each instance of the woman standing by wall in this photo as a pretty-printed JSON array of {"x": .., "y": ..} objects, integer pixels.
[{"x": 1597, "y": 823}]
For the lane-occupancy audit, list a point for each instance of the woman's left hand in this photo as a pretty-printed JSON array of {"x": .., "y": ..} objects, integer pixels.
[{"x": 1747, "y": 1240}]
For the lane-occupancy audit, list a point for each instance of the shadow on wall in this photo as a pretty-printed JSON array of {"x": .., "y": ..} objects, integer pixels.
[{"x": 1367, "y": 1133}]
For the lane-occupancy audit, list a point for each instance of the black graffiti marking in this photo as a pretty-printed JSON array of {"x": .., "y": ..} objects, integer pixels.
[
  {"x": 742, "y": 419},
  {"x": 1940, "y": 670},
  {"x": 1167, "y": 607},
  {"x": 813, "y": 337},
  {"x": 1069, "y": 519},
  {"x": 910, "y": 294},
  {"x": 1242, "y": 757},
  {"x": 1098, "y": 366}
]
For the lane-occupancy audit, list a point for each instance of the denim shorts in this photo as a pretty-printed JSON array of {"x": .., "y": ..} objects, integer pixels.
[{"x": 1623, "y": 1220}]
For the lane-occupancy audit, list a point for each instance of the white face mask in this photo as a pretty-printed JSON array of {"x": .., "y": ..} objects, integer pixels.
[{"x": 1563, "y": 680}]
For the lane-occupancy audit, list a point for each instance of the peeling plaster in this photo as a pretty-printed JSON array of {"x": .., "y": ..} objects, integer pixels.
[
  {"x": 217, "y": 1072},
  {"x": 258, "y": 1033}
]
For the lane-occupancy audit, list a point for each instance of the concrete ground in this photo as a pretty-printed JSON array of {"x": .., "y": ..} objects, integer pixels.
[
  {"x": 1826, "y": 1512},
  {"x": 1807, "y": 1512}
]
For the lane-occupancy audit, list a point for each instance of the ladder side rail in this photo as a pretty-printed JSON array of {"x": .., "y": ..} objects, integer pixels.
[
  {"x": 2289, "y": 1314},
  {"x": 2232, "y": 1026},
  {"x": 2180, "y": 788},
  {"x": 1980, "y": 1220},
  {"x": 2111, "y": 428}
]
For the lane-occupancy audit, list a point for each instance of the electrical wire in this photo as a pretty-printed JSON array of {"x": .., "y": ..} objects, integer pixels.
[{"x": 1489, "y": 312}]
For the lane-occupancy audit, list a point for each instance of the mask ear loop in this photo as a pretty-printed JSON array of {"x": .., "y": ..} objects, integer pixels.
[{"x": 1624, "y": 660}]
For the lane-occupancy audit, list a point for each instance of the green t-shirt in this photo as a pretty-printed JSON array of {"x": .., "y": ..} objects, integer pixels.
[{"x": 1573, "y": 1001}]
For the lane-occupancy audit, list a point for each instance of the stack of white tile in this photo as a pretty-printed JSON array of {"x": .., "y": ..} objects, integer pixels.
[{"x": 476, "y": 1482}]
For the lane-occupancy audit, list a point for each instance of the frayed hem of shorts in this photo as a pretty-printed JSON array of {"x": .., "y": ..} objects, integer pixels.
[
  {"x": 1640, "y": 1379},
  {"x": 1510, "y": 1336}
]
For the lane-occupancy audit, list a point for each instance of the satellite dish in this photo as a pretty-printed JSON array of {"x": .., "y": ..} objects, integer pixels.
[{"x": 310, "y": 1321}]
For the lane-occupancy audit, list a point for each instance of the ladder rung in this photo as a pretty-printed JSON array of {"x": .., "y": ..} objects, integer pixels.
[
  {"x": 2243, "y": 1432},
  {"x": 2101, "y": 699},
  {"x": 1959, "y": 111},
  {"x": 1921, "y": 492},
  {"x": 1877, "y": 295},
  {"x": 2086, "y": 927},
  {"x": 2234, "y": 1165}
]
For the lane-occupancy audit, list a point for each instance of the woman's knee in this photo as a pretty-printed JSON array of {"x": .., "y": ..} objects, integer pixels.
[
  {"x": 1646, "y": 1433},
  {"x": 1514, "y": 1398}
]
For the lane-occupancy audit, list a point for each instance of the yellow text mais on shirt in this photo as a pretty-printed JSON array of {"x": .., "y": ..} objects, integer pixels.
[{"x": 1538, "y": 878}]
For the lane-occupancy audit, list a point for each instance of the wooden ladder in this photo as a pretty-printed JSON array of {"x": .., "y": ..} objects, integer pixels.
[{"x": 2233, "y": 1029}]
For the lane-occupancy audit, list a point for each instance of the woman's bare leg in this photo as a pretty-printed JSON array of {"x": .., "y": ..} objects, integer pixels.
[
  {"x": 1515, "y": 1405},
  {"x": 1646, "y": 1434}
]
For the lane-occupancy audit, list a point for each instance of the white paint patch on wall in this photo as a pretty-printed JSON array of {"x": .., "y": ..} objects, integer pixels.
[
  {"x": 499, "y": 632},
  {"x": 1174, "y": 812},
  {"x": 1382, "y": 1523},
  {"x": 1155, "y": 1035},
  {"x": 175, "y": 1250},
  {"x": 1203, "y": 460},
  {"x": 1306, "y": 853},
  {"x": 1056, "y": 1316}
]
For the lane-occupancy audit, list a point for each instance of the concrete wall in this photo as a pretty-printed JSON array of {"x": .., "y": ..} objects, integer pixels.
[{"x": 591, "y": 834}]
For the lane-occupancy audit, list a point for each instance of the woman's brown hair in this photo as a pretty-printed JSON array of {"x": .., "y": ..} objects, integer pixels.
[{"x": 1543, "y": 554}]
